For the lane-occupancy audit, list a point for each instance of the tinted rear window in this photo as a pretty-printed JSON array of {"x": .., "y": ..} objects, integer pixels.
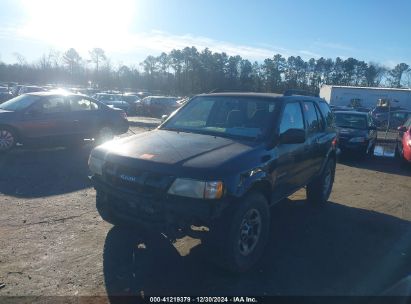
[
  {"x": 327, "y": 114},
  {"x": 310, "y": 113},
  {"x": 348, "y": 120}
]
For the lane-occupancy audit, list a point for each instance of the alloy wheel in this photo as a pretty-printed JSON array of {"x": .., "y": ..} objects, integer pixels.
[
  {"x": 6, "y": 140},
  {"x": 250, "y": 230}
]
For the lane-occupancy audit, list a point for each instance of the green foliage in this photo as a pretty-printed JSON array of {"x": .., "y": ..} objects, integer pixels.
[{"x": 396, "y": 74}]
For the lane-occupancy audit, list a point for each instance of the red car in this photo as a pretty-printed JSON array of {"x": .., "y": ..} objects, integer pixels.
[{"x": 403, "y": 148}]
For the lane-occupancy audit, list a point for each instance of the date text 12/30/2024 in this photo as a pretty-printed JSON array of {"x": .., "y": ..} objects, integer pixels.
[{"x": 203, "y": 300}]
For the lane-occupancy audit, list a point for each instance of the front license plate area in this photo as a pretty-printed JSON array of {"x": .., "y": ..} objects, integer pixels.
[{"x": 141, "y": 206}]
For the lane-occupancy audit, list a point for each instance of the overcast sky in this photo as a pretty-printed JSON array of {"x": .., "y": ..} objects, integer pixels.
[{"x": 128, "y": 30}]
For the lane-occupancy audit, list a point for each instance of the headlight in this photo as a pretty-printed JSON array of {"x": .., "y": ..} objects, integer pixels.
[
  {"x": 96, "y": 165},
  {"x": 197, "y": 189},
  {"x": 357, "y": 139}
]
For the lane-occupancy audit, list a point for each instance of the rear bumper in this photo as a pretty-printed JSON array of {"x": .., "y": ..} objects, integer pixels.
[
  {"x": 158, "y": 212},
  {"x": 407, "y": 153}
]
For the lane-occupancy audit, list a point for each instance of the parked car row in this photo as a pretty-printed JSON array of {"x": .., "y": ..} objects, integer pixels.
[
  {"x": 130, "y": 102},
  {"x": 5, "y": 94},
  {"x": 118, "y": 101},
  {"x": 357, "y": 130},
  {"x": 390, "y": 117},
  {"x": 158, "y": 105},
  {"x": 384, "y": 117}
]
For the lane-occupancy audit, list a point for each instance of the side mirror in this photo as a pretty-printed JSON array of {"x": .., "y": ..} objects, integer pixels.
[
  {"x": 293, "y": 136},
  {"x": 164, "y": 118},
  {"x": 402, "y": 129}
]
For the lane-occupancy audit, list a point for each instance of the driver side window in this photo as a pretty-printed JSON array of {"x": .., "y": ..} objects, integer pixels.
[{"x": 292, "y": 117}]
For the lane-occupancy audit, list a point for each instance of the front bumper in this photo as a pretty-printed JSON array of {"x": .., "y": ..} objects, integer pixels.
[
  {"x": 153, "y": 210},
  {"x": 345, "y": 145}
]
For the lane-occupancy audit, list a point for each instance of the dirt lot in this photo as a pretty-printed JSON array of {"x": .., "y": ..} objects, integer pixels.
[{"x": 53, "y": 242}]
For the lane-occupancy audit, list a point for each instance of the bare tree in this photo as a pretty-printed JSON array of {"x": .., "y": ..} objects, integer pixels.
[
  {"x": 396, "y": 74},
  {"x": 188, "y": 71},
  {"x": 21, "y": 60},
  {"x": 97, "y": 55},
  {"x": 55, "y": 57},
  {"x": 72, "y": 59},
  {"x": 407, "y": 79},
  {"x": 374, "y": 74}
]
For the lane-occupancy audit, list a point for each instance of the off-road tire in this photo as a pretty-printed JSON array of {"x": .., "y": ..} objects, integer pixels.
[
  {"x": 228, "y": 235},
  {"x": 319, "y": 190},
  {"x": 106, "y": 213},
  {"x": 111, "y": 218}
]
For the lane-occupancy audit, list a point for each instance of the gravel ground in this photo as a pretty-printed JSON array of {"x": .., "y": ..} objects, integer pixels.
[{"x": 53, "y": 242}]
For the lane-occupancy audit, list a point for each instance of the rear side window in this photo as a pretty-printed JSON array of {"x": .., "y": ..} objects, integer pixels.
[
  {"x": 313, "y": 121},
  {"x": 82, "y": 104},
  {"x": 319, "y": 117},
  {"x": 327, "y": 114},
  {"x": 53, "y": 104},
  {"x": 146, "y": 101},
  {"x": 292, "y": 117}
]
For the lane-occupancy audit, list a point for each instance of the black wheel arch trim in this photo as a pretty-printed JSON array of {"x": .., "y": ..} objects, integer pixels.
[
  {"x": 332, "y": 153},
  {"x": 258, "y": 182}
]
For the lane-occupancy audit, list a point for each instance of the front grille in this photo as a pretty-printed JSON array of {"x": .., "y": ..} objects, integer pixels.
[
  {"x": 142, "y": 209},
  {"x": 146, "y": 183},
  {"x": 343, "y": 138}
]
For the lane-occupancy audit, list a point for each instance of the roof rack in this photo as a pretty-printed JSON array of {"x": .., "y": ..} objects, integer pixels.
[
  {"x": 217, "y": 90},
  {"x": 299, "y": 92}
]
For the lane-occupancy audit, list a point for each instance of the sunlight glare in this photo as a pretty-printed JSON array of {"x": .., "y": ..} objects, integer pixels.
[{"x": 80, "y": 24}]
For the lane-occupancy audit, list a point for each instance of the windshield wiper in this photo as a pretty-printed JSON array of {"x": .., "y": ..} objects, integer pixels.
[
  {"x": 178, "y": 130},
  {"x": 211, "y": 133}
]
